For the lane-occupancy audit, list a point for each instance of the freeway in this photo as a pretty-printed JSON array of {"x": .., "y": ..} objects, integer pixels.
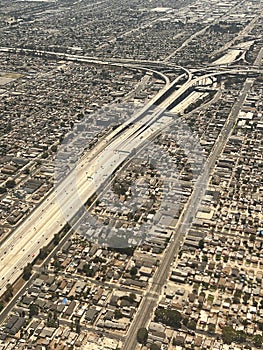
[
  {"x": 161, "y": 275},
  {"x": 92, "y": 172}
]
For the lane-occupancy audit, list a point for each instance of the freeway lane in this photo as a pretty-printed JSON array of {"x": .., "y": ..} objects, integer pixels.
[{"x": 161, "y": 275}]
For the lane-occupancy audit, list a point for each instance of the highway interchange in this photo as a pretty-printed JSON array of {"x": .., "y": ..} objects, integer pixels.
[{"x": 94, "y": 171}]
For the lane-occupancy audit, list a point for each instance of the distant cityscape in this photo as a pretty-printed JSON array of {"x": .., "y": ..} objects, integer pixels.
[{"x": 131, "y": 175}]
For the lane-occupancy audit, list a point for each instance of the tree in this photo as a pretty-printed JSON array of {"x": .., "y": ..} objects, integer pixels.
[
  {"x": 246, "y": 298},
  {"x": 52, "y": 320},
  {"x": 88, "y": 270},
  {"x": 56, "y": 239},
  {"x": 132, "y": 297},
  {"x": 205, "y": 258},
  {"x": 191, "y": 325},
  {"x": 77, "y": 324},
  {"x": 201, "y": 244},
  {"x": 168, "y": 317},
  {"x": 185, "y": 321},
  {"x": 54, "y": 148},
  {"x": 120, "y": 188},
  {"x": 43, "y": 253},
  {"x": 228, "y": 334},
  {"x": 27, "y": 272},
  {"x": 45, "y": 155},
  {"x": 236, "y": 300},
  {"x": 1, "y": 305},
  {"x": 98, "y": 259},
  {"x": 57, "y": 264},
  {"x": 241, "y": 336},
  {"x": 133, "y": 271},
  {"x": 142, "y": 336},
  {"x": 258, "y": 340},
  {"x": 9, "y": 292},
  {"x": 237, "y": 294},
  {"x": 10, "y": 183},
  {"x": 33, "y": 310},
  {"x": 211, "y": 328},
  {"x": 178, "y": 342},
  {"x": 78, "y": 328},
  {"x": 26, "y": 171},
  {"x": 117, "y": 314}
]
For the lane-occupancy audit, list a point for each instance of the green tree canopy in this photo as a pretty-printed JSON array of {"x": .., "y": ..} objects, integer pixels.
[
  {"x": 27, "y": 272},
  {"x": 258, "y": 340},
  {"x": 33, "y": 310},
  {"x": 10, "y": 183},
  {"x": 117, "y": 314},
  {"x": 43, "y": 253},
  {"x": 228, "y": 334},
  {"x": 133, "y": 271},
  {"x": 168, "y": 317},
  {"x": 142, "y": 336}
]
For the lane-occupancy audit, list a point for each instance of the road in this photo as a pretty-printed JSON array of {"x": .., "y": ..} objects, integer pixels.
[
  {"x": 92, "y": 172},
  {"x": 162, "y": 273},
  {"x": 120, "y": 62},
  {"x": 238, "y": 37},
  {"x": 202, "y": 31}
]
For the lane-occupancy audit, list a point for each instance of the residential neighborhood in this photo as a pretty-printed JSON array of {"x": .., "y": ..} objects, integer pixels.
[{"x": 131, "y": 175}]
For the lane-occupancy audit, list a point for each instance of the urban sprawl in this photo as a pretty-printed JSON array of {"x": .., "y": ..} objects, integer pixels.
[{"x": 131, "y": 175}]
